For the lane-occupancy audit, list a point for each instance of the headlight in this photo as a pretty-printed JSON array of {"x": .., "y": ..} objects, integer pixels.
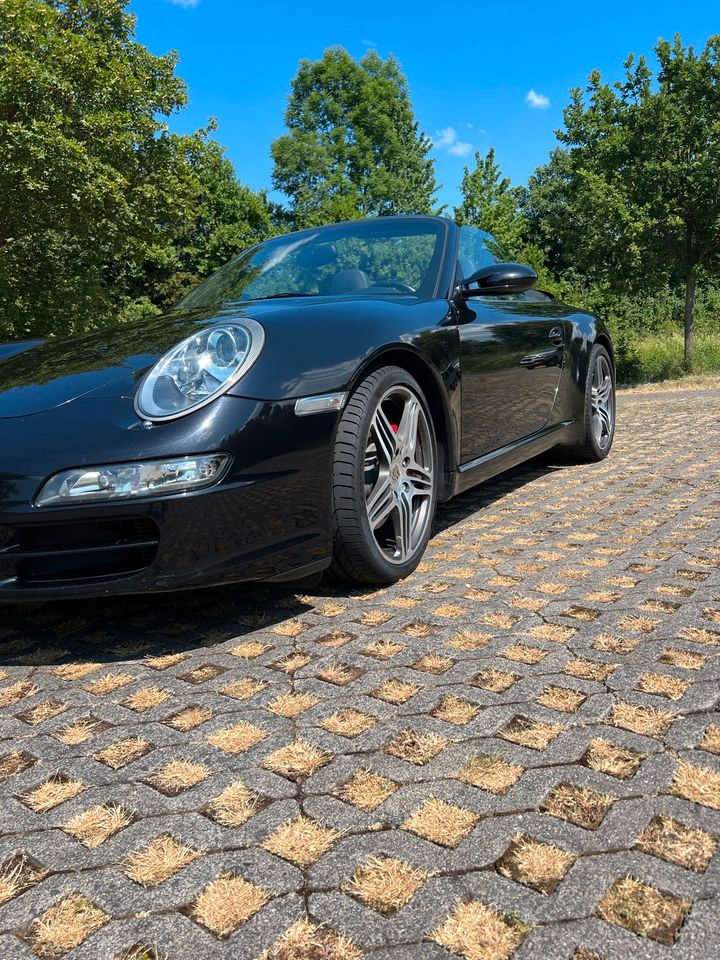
[
  {"x": 125, "y": 480},
  {"x": 199, "y": 369}
]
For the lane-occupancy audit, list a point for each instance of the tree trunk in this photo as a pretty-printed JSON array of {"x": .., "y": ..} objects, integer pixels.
[{"x": 690, "y": 288}]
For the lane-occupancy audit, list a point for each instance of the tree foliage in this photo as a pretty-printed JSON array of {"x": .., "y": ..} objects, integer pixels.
[
  {"x": 630, "y": 197},
  {"x": 96, "y": 194},
  {"x": 490, "y": 202},
  {"x": 353, "y": 146}
]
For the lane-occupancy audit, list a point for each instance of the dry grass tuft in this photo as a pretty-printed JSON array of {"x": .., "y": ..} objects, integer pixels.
[
  {"x": 442, "y": 823},
  {"x": 234, "y": 806},
  {"x": 339, "y": 674},
  {"x": 456, "y": 710},
  {"x": 524, "y": 653},
  {"x": 469, "y": 640},
  {"x": 74, "y": 671},
  {"x": 419, "y": 629},
  {"x": 296, "y": 760},
  {"x": 307, "y": 940},
  {"x": 554, "y": 632},
  {"x": 65, "y": 926},
  {"x": 202, "y": 673},
  {"x": 374, "y": 618},
  {"x": 238, "y": 738},
  {"x": 227, "y": 903},
  {"x": 584, "y": 614},
  {"x": 648, "y": 721},
  {"x": 699, "y": 784},
  {"x": 292, "y": 662},
  {"x": 711, "y": 739},
  {"x": 383, "y": 649},
  {"x": 16, "y": 876},
  {"x": 14, "y": 763},
  {"x": 385, "y": 884},
  {"x": 496, "y": 681},
  {"x": 335, "y": 639},
  {"x": 291, "y": 628},
  {"x": 685, "y": 659},
  {"x": 123, "y": 752},
  {"x": 535, "y": 734},
  {"x": 165, "y": 660},
  {"x": 43, "y": 712},
  {"x": 416, "y": 747},
  {"x": 561, "y": 698},
  {"x": 672, "y": 841},
  {"x": 349, "y": 722},
  {"x": 78, "y": 732},
  {"x": 396, "y": 691},
  {"x": 302, "y": 841},
  {"x": 538, "y": 865},
  {"x": 589, "y": 669},
  {"x": 188, "y": 718},
  {"x": 662, "y": 685},
  {"x": 366, "y": 790},
  {"x": 95, "y": 826},
  {"x": 612, "y": 644},
  {"x": 242, "y": 689},
  {"x": 52, "y": 793},
  {"x": 16, "y": 692},
  {"x": 250, "y": 650},
  {"x": 644, "y": 910},
  {"x": 177, "y": 776},
  {"x": 146, "y": 699},
  {"x": 108, "y": 683},
  {"x": 160, "y": 859},
  {"x": 609, "y": 758},
  {"x": 504, "y": 621},
  {"x": 491, "y": 773},
  {"x": 698, "y": 635},
  {"x": 579, "y": 805},
  {"x": 292, "y": 704},
  {"x": 477, "y": 932},
  {"x": 433, "y": 663}
]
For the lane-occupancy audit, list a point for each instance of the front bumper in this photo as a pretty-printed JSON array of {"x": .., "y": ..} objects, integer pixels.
[{"x": 268, "y": 517}]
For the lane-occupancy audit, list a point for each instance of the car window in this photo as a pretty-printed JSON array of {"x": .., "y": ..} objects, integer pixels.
[
  {"x": 477, "y": 249},
  {"x": 388, "y": 256}
]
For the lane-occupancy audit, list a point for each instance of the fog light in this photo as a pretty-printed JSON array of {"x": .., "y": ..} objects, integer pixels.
[{"x": 126, "y": 480}]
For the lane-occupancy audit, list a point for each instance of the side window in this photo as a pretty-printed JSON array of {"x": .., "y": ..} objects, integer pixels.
[{"x": 477, "y": 249}]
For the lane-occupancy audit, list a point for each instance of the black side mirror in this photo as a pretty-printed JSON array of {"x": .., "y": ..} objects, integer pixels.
[{"x": 498, "y": 278}]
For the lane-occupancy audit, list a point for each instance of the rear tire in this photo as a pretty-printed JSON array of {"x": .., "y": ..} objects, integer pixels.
[
  {"x": 599, "y": 416},
  {"x": 384, "y": 479}
]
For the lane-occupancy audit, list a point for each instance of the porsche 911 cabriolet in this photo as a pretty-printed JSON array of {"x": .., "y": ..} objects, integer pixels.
[{"x": 304, "y": 408}]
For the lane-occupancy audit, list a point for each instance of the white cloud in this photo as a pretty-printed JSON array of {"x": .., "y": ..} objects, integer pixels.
[
  {"x": 185, "y": 4},
  {"x": 368, "y": 43},
  {"x": 537, "y": 101},
  {"x": 447, "y": 139}
]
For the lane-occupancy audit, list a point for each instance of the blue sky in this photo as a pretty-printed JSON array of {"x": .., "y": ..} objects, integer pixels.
[{"x": 480, "y": 75}]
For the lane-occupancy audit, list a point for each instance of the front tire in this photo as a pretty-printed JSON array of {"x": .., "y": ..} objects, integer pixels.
[
  {"x": 599, "y": 408},
  {"x": 384, "y": 479}
]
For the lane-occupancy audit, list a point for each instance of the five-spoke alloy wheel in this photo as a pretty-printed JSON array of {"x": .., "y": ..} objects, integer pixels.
[
  {"x": 385, "y": 479},
  {"x": 599, "y": 407}
]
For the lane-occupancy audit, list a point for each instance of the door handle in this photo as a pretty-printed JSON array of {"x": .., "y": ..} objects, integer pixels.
[{"x": 556, "y": 335}]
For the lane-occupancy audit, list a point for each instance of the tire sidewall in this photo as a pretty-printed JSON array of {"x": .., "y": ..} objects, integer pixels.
[
  {"x": 391, "y": 377},
  {"x": 600, "y": 453}
]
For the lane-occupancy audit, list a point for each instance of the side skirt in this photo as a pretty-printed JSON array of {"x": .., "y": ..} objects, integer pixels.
[{"x": 497, "y": 461}]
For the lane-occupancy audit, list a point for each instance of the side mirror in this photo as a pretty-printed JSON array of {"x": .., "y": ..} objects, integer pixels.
[{"x": 498, "y": 278}]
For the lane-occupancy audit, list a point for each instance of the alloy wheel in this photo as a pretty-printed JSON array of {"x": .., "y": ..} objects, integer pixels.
[
  {"x": 603, "y": 402},
  {"x": 399, "y": 481}
]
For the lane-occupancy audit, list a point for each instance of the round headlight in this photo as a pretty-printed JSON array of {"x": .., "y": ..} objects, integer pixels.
[{"x": 199, "y": 369}]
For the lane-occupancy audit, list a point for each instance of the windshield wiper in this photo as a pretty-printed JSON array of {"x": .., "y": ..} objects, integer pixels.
[{"x": 289, "y": 293}]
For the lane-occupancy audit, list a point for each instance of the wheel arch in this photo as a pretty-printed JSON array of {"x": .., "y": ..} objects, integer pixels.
[
  {"x": 436, "y": 395},
  {"x": 604, "y": 340}
]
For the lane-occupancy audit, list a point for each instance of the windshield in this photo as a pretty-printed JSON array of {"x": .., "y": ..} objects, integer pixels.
[{"x": 387, "y": 257}]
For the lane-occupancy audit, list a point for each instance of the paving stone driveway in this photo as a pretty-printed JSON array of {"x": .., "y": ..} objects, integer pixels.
[{"x": 513, "y": 753}]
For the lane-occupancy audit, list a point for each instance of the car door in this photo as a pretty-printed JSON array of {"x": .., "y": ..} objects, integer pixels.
[{"x": 511, "y": 354}]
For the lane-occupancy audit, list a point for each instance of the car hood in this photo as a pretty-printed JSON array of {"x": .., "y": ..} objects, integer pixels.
[{"x": 40, "y": 375}]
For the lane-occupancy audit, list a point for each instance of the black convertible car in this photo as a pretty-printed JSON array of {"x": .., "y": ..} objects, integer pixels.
[{"x": 305, "y": 407}]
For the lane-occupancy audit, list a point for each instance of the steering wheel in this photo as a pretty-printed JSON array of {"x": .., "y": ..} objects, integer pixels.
[{"x": 395, "y": 284}]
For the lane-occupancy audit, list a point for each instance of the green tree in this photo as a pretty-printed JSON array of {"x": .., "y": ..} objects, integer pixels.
[
  {"x": 631, "y": 197},
  {"x": 490, "y": 202},
  {"x": 353, "y": 147},
  {"x": 227, "y": 217}
]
